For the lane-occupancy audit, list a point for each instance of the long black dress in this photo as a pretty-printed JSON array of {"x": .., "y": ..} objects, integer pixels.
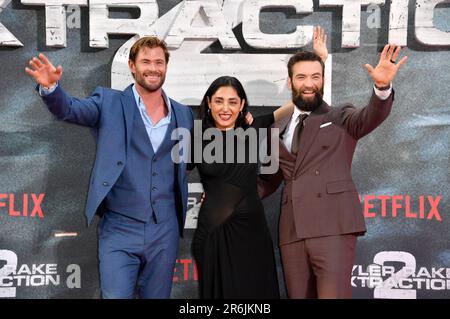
[{"x": 232, "y": 245}]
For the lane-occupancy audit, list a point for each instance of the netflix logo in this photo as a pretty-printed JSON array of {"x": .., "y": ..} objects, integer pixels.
[
  {"x": 185, "y": 270},
  {"x": 23, "y": 205}
]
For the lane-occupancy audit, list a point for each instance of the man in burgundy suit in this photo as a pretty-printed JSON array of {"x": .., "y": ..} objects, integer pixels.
[{"x": 321, "y": 215}]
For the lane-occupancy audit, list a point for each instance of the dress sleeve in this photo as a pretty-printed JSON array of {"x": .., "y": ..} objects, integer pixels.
[{"x": 263, "y": 121}]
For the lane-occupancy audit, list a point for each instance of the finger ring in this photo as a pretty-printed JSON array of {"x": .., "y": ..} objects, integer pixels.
[{"x": 392, "y": 61}]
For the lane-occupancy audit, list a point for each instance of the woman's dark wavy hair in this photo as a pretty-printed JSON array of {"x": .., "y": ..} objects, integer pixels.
[{"x": 206, "y": 117}]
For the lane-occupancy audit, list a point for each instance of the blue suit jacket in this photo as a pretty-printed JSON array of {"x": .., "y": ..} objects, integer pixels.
[{"x": 110, "y": 113}]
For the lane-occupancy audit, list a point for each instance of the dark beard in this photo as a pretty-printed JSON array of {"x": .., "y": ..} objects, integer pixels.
[{"x": 304, "y": 105}]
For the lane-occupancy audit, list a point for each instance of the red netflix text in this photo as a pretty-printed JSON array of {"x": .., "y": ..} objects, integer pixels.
[
  {"x": 185, "y": 269},
  {"x": 26, "y": 205},
  {"x": 421, "y": 207}
]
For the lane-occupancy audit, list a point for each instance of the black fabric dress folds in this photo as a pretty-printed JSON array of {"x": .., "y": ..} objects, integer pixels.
[{"x": 232, "y": 245}]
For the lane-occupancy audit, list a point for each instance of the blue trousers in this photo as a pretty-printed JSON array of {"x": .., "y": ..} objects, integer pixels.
[{"x": 137, "y": 259}]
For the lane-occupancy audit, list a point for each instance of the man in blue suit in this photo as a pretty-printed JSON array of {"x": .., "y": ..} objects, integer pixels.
[{"x": 139, "y": 190}]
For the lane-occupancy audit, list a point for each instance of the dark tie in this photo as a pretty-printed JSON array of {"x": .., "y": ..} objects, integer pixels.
[{"x": 297, "y": 133}]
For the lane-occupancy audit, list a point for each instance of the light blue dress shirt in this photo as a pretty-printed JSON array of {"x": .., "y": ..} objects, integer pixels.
[{"x": 156, "y": 132}]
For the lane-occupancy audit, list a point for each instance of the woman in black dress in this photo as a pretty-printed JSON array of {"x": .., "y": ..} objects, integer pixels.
[{"x": 232, "y": 245}]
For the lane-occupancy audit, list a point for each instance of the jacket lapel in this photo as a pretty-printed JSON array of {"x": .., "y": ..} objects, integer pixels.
[
  {"x": 167, "y": 142},
  {"x": 129, "y": 107},
  {"x": 178, "y": 122},
  {"x": 176, "y": 112},
  {"x": 282, "y": 125},
  {"x": 310, "y": 129}
]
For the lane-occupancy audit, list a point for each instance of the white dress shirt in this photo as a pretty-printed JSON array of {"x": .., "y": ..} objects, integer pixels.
[{"x": 289, "y": 132}]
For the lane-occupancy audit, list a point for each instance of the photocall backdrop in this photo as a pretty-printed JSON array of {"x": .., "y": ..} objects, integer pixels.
[{"x": 401, "y": 169}]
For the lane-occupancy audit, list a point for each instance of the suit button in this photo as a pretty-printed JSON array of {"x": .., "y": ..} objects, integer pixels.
[
  {"x": 153, "y": 202},
  {"x": 319, "y": 195},
  {"x": 317, "y": 172},
  {"x": 119, "y": 163},
  {"x": 154, "y": 174},
  {"x": 154, "y": 188},
  {"x": 105, "y": 184},
  {"x": 154, "y": 160},
  {"x": 324, "y": 147}
]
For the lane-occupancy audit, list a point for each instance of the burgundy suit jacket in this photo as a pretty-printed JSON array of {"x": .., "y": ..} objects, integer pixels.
[{"x": 320, "y": 197}]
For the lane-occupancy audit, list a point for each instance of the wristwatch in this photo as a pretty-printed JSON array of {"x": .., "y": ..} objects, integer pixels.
[{"x": 382, "y": 88}]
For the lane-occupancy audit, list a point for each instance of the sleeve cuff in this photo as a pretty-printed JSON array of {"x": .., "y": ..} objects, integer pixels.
[
  {"x": 383, "y": 95},
  {"x": 43, "y": 91}
]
